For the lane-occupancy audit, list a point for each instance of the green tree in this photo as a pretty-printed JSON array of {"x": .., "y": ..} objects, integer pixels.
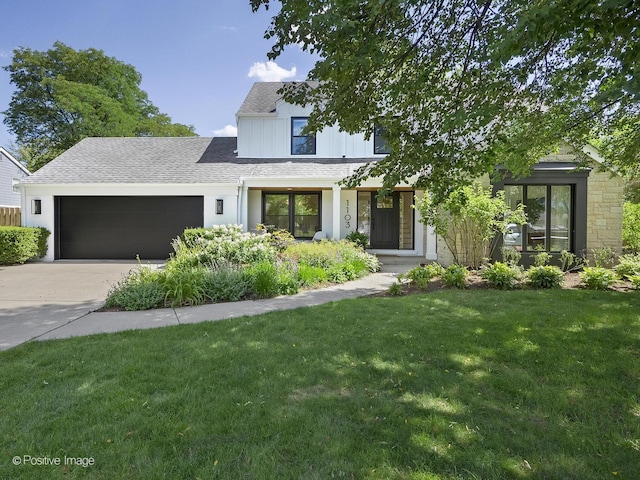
[
  {"x": 461, "y": 85},
  {"x": 63, "y": 95}
]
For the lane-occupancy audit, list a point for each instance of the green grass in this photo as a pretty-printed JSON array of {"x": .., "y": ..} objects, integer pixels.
[{"x": 447, "y": 385}]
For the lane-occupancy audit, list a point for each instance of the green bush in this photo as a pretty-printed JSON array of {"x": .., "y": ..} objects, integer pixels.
[
  {"x": 511, "y": 256},
  {"x": 604, "y": 257},
  {"x": 597, "y": 278},
  {"x": 359, "y": 239},
  {"x": 421, "y": 276},
  {"x": 544, "y": 276},
  {"x": 541, "y": 259},
  {"x": 264, "y": 279},
  {"x": 19, "y": 244},
  {"x": 309, "y": 276},
  {"x": 395, "y": 290},
  {"x": 140, "y": 290},
  {"x": 225, "y": 284},
  {"x": 185, "y": 286},
  {"x": 628, "y": 266},
  {"x": 455, "y": 276},
  {"x": 631, "y": 227},
  {"x": 502, "y": 276},
  {"x": 635, "y": 280}
]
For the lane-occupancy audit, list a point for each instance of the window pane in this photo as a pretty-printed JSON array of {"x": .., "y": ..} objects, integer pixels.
[
  {"x": 380, "y": 145},
  {"x": 301, "y": 144},
  {"x": 513, "y": 237},
  {"x": 560, "y": 218},
  {"x": 306, "y": 215},
  {"x": 384, "y": 202},
  {"x": 364, "y": 212},
  {"x": 276, "y": 210},
  {"x": 536, "y": 211}
]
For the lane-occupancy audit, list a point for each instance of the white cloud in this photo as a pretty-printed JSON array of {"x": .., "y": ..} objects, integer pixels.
[
  {"x": 270, "y": 72},
  {"x": 226, "y": 131}
]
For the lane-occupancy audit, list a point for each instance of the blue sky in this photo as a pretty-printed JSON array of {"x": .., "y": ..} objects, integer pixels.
[{"x": 198, "y": 58}]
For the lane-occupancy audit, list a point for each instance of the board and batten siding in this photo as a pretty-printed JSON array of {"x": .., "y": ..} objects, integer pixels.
[{"x": 10, "y": 173}]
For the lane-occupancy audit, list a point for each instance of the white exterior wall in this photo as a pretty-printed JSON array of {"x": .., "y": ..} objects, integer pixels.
[
  {"x": 269, "y": 136},
  {"x": 47, "y": 193}
]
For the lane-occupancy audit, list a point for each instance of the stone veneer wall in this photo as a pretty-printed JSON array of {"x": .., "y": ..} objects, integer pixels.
[{"x": 604, "y": 211}]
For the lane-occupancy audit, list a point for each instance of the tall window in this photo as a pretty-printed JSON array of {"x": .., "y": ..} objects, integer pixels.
[
  {"x": 549, "y": 210},
  {"x": 298, "y": 213},
  {"x": 380, "y": 145},
  {"x": 301, "y": 144}
]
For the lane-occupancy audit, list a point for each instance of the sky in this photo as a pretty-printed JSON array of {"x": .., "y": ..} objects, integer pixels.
[{"x": 198, "y": 58}]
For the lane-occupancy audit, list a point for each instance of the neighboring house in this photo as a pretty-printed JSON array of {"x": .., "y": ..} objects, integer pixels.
[
  {"x": 12, "y": 172},
  {"x": 120, "y": 197}
]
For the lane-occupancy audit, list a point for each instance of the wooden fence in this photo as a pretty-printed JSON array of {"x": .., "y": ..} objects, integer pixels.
[{"x": 10, "y": 216}]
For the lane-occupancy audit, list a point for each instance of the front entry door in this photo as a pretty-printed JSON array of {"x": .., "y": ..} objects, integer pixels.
[{"x": 385, "y": 221}]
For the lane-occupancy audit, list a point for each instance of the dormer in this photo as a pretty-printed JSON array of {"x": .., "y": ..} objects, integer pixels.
[{"x": 270, "y": 127}]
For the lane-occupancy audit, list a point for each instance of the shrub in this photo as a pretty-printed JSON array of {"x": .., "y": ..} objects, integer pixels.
[
  {"x": 631, "y": 227},
  {"x": 309, "y": 276},
  {"x": 597, "y": 278},
  {"x": 359, "y": 239},
  {"x": 140, "y": 290},
  {"x": 226, "y": 243},
  {"x": 19, "y": 244},
  {"x": 570, "y": 260},
  {"x": 541, "y": 259},
  {"x": 264, "y": 279},
  {"x": 225, "y": 284},
  {"x": 395, "y": 290},
  {"x": 470, "y": 220},
  {"x": 628, "y": 266},
  {"x": 635, "y": 280},
  {"x": 422, "y": 276},
  {"x": 511, "y": 256},
  {"x": 185, "y": 286},
  {"x": 502, "y": 276},
  {"x": 604, "y": 257},
  {"x": 455, "y": 276},
  {"x": 544, "y": 276}
]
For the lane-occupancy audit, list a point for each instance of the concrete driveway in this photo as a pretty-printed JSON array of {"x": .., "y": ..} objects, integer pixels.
[{"x": 36, "y": 298}]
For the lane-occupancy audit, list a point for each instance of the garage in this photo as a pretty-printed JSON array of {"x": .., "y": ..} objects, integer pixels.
[{"x": 122, "y": 227}]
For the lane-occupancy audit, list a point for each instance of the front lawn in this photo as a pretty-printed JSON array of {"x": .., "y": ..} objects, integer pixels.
[{"x": 446, "y": 385}]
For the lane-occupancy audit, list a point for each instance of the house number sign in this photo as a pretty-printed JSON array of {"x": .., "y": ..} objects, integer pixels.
[{"x": 347, "y": 216}]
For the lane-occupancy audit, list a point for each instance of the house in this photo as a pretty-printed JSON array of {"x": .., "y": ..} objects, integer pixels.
[
  {"x": 121, "y": 197},
  {"x": 12, "y": 172}
]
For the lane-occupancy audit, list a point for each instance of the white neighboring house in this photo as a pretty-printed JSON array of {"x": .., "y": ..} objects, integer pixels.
[
  {"x": 12, "y": 172},
  {"x": 115, "y": 198}
]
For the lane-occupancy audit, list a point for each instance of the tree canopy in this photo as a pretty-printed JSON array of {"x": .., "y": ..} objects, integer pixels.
[
  {"x": 463, "y": 85},
  {"x": 63, "y": 95}
]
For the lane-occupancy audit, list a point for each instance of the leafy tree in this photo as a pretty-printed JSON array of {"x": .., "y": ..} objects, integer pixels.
[
  {"x": 63, "y": 95},
  {"x": 460, "y": 85},
  {"x": 469, "y": 220}
]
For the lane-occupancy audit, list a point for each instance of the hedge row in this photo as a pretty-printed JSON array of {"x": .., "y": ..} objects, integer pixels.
[{"x": 19, "y": 244}]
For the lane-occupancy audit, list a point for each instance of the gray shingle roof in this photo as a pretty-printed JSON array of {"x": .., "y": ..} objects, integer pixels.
[
  {"x": 177, "y": 160},
  {"x": 263, "y": 96}
]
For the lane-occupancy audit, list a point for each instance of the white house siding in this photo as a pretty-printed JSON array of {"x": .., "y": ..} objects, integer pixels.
[
  {"x": 10, "y": 173},
  {"x": 47, "y": 193}
]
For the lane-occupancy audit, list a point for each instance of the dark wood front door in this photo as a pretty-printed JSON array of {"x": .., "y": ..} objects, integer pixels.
[{"x": 385, "y": 221}]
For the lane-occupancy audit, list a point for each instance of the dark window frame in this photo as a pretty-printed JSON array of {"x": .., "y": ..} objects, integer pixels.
[
  {"x": 379, "y": 141},
  {"x": 550, "y": 175},
  {"x": 292, "y": 213},
  {"x": 293, "y": 137}
]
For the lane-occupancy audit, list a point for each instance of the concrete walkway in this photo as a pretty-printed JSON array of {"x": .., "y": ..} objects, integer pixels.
[{"x": 43, "y": 301}]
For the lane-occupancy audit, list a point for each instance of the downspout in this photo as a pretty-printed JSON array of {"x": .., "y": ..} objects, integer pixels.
[{"x": 239, "y": 203}]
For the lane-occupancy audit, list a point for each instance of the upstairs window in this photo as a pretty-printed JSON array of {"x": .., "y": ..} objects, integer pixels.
[
  {"x": 301, "y": 144},
  {"x": 380, "y": 145}
]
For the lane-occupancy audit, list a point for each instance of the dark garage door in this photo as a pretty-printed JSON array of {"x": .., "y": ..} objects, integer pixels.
[{"x": 123, "y": 227}]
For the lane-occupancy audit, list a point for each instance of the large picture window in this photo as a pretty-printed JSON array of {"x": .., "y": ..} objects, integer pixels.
[
  {"x": 549, "y": 210},
  {"x": 296, "y": 212},
  {"x": 301, "y": 144}
]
